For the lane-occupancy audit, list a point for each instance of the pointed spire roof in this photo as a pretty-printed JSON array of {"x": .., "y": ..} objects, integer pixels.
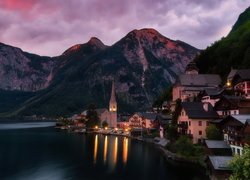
[{"x": 112, "y": 98}]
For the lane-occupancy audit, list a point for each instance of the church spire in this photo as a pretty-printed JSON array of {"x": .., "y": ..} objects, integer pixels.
[{"x": 112, "y": 102}]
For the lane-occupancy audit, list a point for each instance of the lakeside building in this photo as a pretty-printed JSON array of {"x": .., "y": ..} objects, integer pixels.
[
  {"x": 142, "y": 120},
  {"x": 190, "y": 84},
  {"x": 194, "y": 118}
]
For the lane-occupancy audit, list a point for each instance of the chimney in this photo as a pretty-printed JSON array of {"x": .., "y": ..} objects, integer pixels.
[{"x": 205, "y": 106}]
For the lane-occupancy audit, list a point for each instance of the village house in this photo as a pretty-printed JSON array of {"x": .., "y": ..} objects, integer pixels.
[
  {"x": 194, "y": 118},
  {"x": 142, "y": 120},
  {"x": 217, "y": 148},
  {"x": 231, "y": 105},
  {"x": 239, "y": 81},
  {"x": 218, "y": 167},
  {"x": 190, "y": 84},
  {"x": 236, "y": 131}
]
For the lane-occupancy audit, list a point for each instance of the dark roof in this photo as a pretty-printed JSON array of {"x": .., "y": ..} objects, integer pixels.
[
  {"x": 234, "y": 102},
  {"x": 242, "y": 74},
  {"x": 204, "y": 80},
  {"x": 214, "y": 144},
  {"x": 150, "y": 116},
  {"x": 243, "y": 118},
  {"x": 195, "y": 110},
  {"x": 220, "y": 162},
  {"x": 213, "y": 91}
]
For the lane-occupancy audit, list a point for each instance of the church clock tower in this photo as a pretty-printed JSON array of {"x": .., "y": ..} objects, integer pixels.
[{"x": 113, "y": 107}]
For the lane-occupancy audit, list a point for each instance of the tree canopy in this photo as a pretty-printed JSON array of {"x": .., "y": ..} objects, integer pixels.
[
  {"x": 240, "y": 165},
  {"x": 213, "y": 132},
  {"x": 92, "y": 117}
]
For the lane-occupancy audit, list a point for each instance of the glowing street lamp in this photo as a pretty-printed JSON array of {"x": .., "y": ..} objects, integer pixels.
[{"x": 96, "y": 127}]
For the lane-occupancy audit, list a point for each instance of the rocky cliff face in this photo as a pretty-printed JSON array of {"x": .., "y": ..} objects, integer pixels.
[
  {"x": 142, "y": 64},
  {"x": 23, "y": 71}
]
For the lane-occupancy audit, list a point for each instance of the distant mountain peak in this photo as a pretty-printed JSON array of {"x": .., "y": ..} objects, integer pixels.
[{"x": 96, "y": 42}]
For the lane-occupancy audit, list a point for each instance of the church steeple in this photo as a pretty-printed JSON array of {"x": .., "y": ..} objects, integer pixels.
[{"x": 112, "y": 102}]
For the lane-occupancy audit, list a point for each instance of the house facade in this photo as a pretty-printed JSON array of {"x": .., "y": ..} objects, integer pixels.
[
  {"x": 142, "y": 120},
  {"x": 194, "y": 119},
  {"x": 236, "y": 131},
  {"x": 232, "y": 105},
  {"x": 190, "y": 84}
]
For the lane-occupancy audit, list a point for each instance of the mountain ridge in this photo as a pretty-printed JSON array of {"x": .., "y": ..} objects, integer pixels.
[{"x": 142, "y": 63}]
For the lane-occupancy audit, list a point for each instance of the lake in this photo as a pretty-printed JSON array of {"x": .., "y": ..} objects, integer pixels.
[{"x": 37, "y": 151}]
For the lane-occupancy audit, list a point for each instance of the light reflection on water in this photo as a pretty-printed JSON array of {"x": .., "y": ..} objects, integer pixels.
[
  {"x": 110, "y": 146},
  {"x": 48, "y": 153}
]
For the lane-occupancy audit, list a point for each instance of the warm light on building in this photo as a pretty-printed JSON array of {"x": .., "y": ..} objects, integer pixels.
[{"x": 96, "y": 127}]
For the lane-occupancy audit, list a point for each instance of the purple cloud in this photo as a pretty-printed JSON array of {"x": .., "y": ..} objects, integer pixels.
[{"x": 49, "y": 27}]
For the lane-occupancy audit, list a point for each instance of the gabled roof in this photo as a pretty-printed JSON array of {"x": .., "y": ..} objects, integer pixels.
[
  {"x": 244, "y": 74},
  {"x": 150, "y": 116},
  {"x": 243, "y": 118},
  {"x": 195, "y": 110},
  {"x": 213, "y": 91},
  {"x": 215, "y": 144},
  {"x": 220, "y": 162},
  {"x": 233, "y": 102},
  {"x": 204, "y": 80}
]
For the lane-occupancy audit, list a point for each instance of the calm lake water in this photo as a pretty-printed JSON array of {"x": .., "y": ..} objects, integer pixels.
[{"x": 45, "y": 153}]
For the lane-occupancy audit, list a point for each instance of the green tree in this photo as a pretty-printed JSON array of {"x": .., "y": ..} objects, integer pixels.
[
  {"x": 213, "y": 132},
  {"x": 171, "y": 132},
  {"x": 240, "y": 165},
  {"x": 92, "y": 117},
  {"x": 184, "y": 146},
  {"x": 105, "y": 124}
]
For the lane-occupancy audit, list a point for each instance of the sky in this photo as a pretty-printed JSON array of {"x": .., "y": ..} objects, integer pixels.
[{"x": 49, "y": 27}]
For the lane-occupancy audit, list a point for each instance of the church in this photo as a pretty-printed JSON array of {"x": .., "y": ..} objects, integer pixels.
[{"x": 109, "y": 115}]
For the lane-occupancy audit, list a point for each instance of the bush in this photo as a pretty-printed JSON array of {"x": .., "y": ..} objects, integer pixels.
[{"x": 213, "y": 132}]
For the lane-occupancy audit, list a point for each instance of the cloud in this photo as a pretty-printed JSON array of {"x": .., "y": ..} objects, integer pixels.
[{"x": 49, "y": 27}]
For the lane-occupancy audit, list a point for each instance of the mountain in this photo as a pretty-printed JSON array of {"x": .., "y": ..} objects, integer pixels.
[
  {"x": 233, "y": 51},
  {"x": 24, "y": 71},
  {"x": 142, "y": 65}
]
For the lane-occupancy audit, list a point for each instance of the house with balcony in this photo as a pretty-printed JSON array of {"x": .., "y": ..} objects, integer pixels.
[
  {"x": 236, "y": 131},
  {"x": 194, "y": 118},
  {"x": 239, "y": 81}
]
